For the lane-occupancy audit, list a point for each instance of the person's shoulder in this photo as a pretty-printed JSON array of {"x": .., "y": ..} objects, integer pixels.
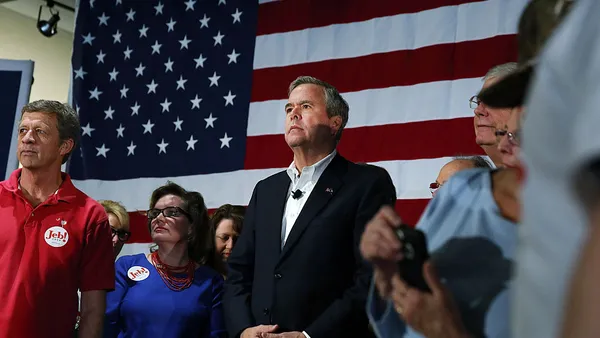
[
  {"x": 132, "y": 258},
  {"x": 463, "y": 193},
  {"x": 462, "y": 188},
  {"x": 363, "y": 167},
  {"x": 206, "y": 272},
  {"x": 467, "y": 180},
  {"x": 367, "y": 171},
  {"x": 5, "y": 185},
  {"x": 128, "y": 261},
  {"x": 73, "y": 191},
  {"x": 87, "y": 204},
  {"x": 276, "y": 176},
  {"x": 95, "y": 212},
  {"x": 274, "y": 179},
  {"x": 5, "y": 188},
  {"x": 94, "y": 207},
  {"x": 11, "y": 184}
]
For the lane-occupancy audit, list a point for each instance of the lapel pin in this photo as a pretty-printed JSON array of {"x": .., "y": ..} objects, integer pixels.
[{"x": 329, "y": 190}]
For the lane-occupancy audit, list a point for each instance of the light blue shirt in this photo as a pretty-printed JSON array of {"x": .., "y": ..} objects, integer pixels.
[{"x": 472, "y": 247}]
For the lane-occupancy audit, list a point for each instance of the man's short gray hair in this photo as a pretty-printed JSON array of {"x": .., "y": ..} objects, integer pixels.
[
  {"x": 334, "y": 102},
  {"x": 476, "y": 160},
  {"x": 500, "y": 70},
  {"x": 67, "y": 120}
]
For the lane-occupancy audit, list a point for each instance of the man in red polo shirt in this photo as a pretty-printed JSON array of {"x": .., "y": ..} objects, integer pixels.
[{"x": 54, "y": 239}]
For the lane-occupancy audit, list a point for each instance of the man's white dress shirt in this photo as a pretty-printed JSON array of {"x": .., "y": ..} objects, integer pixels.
[{"x": 304, "y": 181}]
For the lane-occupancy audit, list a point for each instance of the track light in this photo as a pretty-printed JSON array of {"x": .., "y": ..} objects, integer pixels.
[{"x": 48, "y": 28}]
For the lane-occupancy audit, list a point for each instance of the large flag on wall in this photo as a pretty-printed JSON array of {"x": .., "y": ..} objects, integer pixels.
[
  {"x": 16, "y": 77},
  {"x": 194, "y": 91}
]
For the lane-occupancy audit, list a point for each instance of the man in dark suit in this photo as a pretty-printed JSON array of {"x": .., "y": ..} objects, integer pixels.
[{"x": 296, "y": 270}]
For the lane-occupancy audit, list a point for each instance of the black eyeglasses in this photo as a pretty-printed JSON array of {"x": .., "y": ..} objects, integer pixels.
[
  {"x": 474, "y": 102},
  {"x": 433, "y": 187},
  {"x": 167, "y": 212},
  {"x": 122, "y": 235},
  {"x": 513, "y": 138}
]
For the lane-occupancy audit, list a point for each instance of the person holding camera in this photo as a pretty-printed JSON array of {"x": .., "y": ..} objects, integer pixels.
[{"x": 448, "y": 277}]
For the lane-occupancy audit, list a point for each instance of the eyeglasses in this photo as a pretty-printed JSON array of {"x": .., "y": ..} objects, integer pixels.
[
  {"x": 167, "y": 212},
  {"x": 122, "y": 235},
  {"x": 513, "y": 138},
  {"x": 474, "y": 102},
  {"x": 433, "y": 187}
]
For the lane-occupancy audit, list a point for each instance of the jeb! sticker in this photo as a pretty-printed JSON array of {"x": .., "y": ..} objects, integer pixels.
[
  {"x": 56, "y": 236},
  {"x": 138, "y": 273}
]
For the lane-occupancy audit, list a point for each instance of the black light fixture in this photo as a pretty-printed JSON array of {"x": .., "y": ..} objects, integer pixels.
[{"x": 48, "y": 28}]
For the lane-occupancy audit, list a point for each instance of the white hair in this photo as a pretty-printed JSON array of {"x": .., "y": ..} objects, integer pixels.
[{"x": 500, "y": 70}]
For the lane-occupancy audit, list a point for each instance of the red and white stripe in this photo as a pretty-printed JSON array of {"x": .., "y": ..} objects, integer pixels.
[{"x": 407, "y": 69}]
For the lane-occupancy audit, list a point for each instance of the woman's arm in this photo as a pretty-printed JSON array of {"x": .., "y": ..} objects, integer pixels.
[
  {"x": 217, "y": 322},
  {"x": 112, "y": 318}
]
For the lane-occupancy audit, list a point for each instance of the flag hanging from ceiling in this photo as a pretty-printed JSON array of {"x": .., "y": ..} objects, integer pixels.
[{"x": 194, "y": 91}]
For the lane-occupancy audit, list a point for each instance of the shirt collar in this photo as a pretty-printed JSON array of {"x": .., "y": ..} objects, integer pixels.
[
  {"x": 66, "y": 192},
  {"x": 312, "y": 172}
]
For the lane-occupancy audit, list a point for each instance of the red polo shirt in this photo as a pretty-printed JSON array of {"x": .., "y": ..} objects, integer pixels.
[{"x": 46, "y": 254}]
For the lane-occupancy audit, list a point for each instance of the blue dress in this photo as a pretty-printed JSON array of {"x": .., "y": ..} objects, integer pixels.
[{"x": 142, "y": 305}]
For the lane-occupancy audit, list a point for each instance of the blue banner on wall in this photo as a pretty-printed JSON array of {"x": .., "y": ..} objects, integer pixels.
[{"x": 15, "y": 82}]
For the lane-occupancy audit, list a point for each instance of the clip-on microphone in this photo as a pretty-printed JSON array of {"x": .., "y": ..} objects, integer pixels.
[{"x": 297, "y": 194}]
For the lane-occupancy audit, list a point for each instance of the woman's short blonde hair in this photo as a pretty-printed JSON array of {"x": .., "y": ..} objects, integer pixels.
[{"x": 117, "y": 209}]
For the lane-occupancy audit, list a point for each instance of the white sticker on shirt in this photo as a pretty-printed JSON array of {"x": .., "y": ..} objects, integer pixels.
[
  {"x": 56, "y": 236},
  {"x": 138, "y": 273}
]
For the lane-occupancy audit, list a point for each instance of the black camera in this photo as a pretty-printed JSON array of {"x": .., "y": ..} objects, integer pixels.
[{"x": 415, "y": 254}]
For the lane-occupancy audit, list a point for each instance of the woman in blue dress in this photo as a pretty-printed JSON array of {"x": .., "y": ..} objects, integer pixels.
[{"x": 175, "y": 291}]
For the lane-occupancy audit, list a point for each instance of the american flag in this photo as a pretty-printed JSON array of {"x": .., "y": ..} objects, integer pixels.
[{"x": 193, "y": 91}]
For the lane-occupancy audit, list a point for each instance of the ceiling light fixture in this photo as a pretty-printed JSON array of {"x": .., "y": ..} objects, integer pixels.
[{"x": 49, "y": 28}]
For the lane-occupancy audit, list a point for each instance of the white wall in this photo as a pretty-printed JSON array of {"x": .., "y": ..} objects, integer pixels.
[{"x": 20, "y": 40}]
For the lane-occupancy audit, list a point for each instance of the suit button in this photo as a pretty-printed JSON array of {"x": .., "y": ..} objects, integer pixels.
[
  {"x": 277, "y": 276},
  {"x": 266, "y": 311}
]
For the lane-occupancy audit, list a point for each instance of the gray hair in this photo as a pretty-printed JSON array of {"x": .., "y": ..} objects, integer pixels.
[
  {"x": 67, "y": 120},
  {"x": 500, "y": 70},
  {"x": 477, "y": 161},
  {"x": 334, "y": 102}
]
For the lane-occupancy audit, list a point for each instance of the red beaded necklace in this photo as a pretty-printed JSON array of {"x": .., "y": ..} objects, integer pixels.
[{"x": 168, "y": 272}]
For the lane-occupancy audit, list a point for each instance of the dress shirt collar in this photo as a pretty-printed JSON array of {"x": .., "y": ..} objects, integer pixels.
[{"x": 310, "y": 173}]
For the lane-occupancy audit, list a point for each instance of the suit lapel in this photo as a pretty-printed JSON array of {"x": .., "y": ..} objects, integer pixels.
[
  {"x": 275, "y": 212},
  {"x": 327, "y": 186}
]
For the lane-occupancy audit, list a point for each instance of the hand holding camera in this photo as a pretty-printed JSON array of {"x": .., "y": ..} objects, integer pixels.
[
  {"x": 392, "y": 247},
  {"x": 414, "y": 255},
  {"x": 380, "y": 246},
  {"x": 404, "y": 275}
]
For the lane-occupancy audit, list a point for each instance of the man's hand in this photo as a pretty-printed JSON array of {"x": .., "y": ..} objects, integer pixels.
[
  {"x": 432, "y": 314},
  {"x": 294, "y": 334},
  {"x": 256, "y": 331},
  {"x": 380, "y": 246}
]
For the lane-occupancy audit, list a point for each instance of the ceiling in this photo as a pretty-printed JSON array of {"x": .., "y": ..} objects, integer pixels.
[{"x": 30, "y": 9}]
